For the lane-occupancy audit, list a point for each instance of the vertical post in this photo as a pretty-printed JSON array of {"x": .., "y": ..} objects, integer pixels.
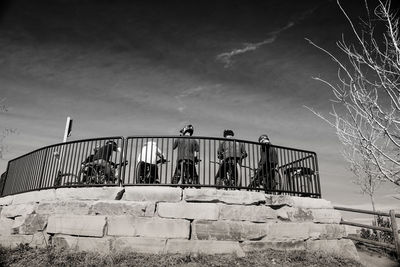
[
  {"x": 3, "y": 183},
  {"x": 395, "y": 230},
  {"x": 68, "y": 129},
  {"x": 42, "y": 170},
  {"x": 122, "y": 160}
]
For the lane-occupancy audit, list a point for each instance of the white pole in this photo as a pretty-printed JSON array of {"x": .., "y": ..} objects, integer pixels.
[{"x": 68, "y": 128}]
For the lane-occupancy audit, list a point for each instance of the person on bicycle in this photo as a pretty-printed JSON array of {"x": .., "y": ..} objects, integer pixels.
[
  {"x": 187, "y": 157},
  {"x": 102, "y": 157},
  {"x": 265, "y": 173},
  {"x": 147, "y": 163},
  {"x": 231, "y": 153}
]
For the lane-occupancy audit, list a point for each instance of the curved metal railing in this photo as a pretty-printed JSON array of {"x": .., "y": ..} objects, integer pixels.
[{"x": 71, "y": 164}]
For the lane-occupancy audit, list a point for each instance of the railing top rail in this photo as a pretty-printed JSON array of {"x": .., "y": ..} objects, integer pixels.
[
  {"x": 66, "y": 143},
  {"x": 217, "y": 138},
  {"x": 379, "y": 213},
  {"x": 158, "y": 136}
]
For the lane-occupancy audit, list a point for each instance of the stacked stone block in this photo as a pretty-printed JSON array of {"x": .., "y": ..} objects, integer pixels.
[{"x": 171, "y": 220}]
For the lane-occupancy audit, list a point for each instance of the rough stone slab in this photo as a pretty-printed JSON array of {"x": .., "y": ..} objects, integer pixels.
[
  {"x": 148, "y": 227},
  {"x": 228, "y": 230},
  {"x": 80, "y": 225},
  {"x": 153, "y": 194},
  {"x": 35, "y": 196},
  {"x": 6, "y": 226},
  {"x": 326, "y": 216},
  {"x": 327, "y": 231},
  {"x": 223, "y": 196},
  {"x": 121, "y": 225},
  {"x": 300, "y": 202},
  {"x": 31, "y": 224},
  {"x": 76, "y": 243},
  {"x": 203, "y": 247},
  {"x": 282, "y": 231},
  {"x": 344, "y": 248},
  {"x": 71, "y": 207},
  {"x": 119, "y": 207},
  {"x": 7, "y": 200},
  {"x": 13, "y": 211},
  {"x": 292, "y": 214},
  {"x": 247, "y": 213},
  {"x": 38, "y": 240},
  {"x": 249, "y": 246},
  {"x": 140, "y": 245},
  {"x": 87, "y": 193},
  {"x": 163, "y": 228},
  {"x": 205, "y": 211}
]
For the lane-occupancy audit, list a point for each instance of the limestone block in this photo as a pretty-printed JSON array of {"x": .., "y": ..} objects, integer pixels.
[
  {"x": 40, "y": 240},
  {"x": 247, "y": 213},
  {"x": 295, "y": 214},
  {"x": 6, "y": 226},
  {"x": 300, "y": 202},
  {"x": 326, "y": 216},
  {"x": 282, "y": 231},
  {"x": 153, "y": 194},
  {"x": 140, "y": 244},
  {"x": 121, "y": 225},
  {"x": 13, "y": 211},
  {"x": 80, "y": 225},
  {"x": 89, "y": 244},
  {"x": 228, "y": 230},
  {"x": 35, "y": 196},
  {"x": 311, "y": 215},
  {"x": 148, "y": 227},
  {"x": 327, "y": 231},
  {"x": 224, "y": 196},
  {"x": 119, "y": 207},
  {"x": 249, "y": 246},
  {"x": 205, "y": 211},
  {"x": 71, "y": 207},
  {"x": 203, "y": 247},
  {"x": 163, "y": 228},
  {"x": 31, "y": 224},
  {"x": 344, "y": 248},
  {"x": 7, "y": 200},
  {"x": 87, "y": 193}
]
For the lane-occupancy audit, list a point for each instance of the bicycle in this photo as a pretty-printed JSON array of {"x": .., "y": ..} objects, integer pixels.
[
  {"x": 147, "y": 173},
  {"x": 188, "y": 174},
  {"x": 95, "y": 173},
  {"x": 274, "y": 178},
  {"x": 229, "y": 175}
]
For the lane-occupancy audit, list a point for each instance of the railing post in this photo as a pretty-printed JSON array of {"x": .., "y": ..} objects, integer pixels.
[
  {"x": 3, "y": 185},
  {"x": 122, "y": 166},
  {"x": 42, "y": 170},
  {"x": 395, "y": 230}
]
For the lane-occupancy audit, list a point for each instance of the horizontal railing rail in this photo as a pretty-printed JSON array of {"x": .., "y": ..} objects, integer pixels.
[{"x": 168, "y": 161}]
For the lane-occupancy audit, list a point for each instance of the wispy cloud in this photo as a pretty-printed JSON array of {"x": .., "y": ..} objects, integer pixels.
[
  {"x": 192, "y": 92},
  {"x": 227, "y": 57}
]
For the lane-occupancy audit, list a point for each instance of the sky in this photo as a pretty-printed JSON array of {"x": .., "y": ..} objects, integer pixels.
[{"x": 122, "y": 68}]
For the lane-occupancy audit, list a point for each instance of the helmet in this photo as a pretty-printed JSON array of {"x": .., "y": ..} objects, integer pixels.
[
  {"x": 263, "y": 138},
  {"x": 228, "y": 132},
  {"x": 112, "y": 144},
  {"x": 187, "y": 129}
]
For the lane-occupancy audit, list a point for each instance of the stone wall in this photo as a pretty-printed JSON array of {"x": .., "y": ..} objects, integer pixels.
[{"x": 171, "y": 220}]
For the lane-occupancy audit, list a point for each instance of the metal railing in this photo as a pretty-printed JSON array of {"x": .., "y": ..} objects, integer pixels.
[
  {"x": 243, "y": 165},
  {"x": 394, "y": 230}
]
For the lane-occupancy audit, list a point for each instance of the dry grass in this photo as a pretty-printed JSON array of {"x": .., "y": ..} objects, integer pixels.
[{"x": 26, "y": 256}]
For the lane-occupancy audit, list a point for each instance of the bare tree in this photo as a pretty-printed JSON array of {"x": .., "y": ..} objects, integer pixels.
[{"x": 366, "y": 105}]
